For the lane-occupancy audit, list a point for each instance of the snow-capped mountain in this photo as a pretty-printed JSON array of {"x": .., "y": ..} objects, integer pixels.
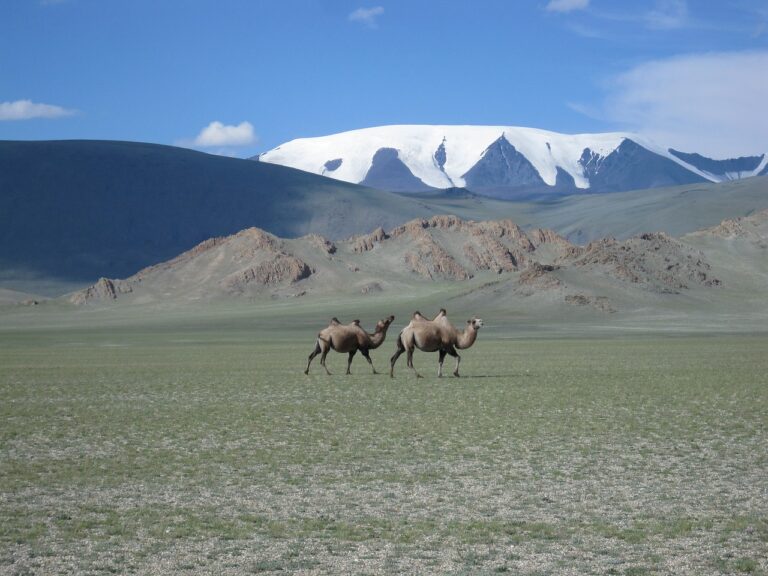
[{"x": 503, "y": 161}]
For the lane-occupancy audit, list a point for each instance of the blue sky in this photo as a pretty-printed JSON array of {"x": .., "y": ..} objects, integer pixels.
[{"x": 242, "y": 76}]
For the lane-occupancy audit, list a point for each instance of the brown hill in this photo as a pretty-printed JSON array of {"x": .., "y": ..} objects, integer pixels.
[
  {"x": 753, "y": 228},
  {"x": 494, "y": 259}
]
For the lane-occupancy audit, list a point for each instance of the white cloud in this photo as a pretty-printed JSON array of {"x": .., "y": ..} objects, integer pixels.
[
  {"x": 26, "y": 110},
  {"x": 668, "y": 15},
  {"x": 566, "y": 5},
  {"x": 367, "y": 15},
  {"x": 708, "y": 103},
  {"x": 218, "y": 134}
]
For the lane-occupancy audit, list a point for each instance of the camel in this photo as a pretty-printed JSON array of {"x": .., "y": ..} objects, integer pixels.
[
  {"x": 348, "y": 338},
  {"x": 437, "y": 335}
]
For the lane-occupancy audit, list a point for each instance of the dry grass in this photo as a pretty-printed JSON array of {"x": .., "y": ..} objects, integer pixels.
[{"x": 628, "y": 456}]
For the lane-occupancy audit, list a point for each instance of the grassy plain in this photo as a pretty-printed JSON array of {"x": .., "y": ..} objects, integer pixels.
[{"x": 191, "y": 444}]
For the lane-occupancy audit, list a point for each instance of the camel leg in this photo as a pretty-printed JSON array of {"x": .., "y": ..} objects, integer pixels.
[
  {"x": 410, "y": 363},
  {"x": 367, "y": 356},
  {"x": 315, "y": 352},
  {"x": 349, "y": 360},
  {"x": 452, "y": 351},
  {"x": 322, "y": 361},
  {"x": 395, "y": 356},
  {"x": 440, "y": 363}
]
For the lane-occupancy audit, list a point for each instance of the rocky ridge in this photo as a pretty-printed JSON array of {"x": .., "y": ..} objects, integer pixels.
[
  {"x": 254, "y": 263},
  {"x": 753, "y": 228}
]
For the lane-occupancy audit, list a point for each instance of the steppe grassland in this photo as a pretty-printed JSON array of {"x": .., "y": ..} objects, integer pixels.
[{"x": 187, "y": 446}]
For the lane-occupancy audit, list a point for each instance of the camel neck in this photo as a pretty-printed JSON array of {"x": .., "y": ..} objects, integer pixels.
[
  {"x": 377, "y": 338},
  {"x": 466, "y": 338}
]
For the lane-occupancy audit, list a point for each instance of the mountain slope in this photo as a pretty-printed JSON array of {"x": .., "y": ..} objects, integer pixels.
[
  {"x": 722, "y": 170},
  {"x": 72, "y": 211},
  {"x": 256, "y": 264},
  {"x": 712, "y": 279},
  {"x": 77, "y": 210},
  {"x": 502, "y": 161}
]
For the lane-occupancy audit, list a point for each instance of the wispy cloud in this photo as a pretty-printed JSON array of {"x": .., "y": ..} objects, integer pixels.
[
  {"x": 708, "y": 103},
  {"x": 367, "y": 16},
  {"x": 566, "y": 5},
  {"x": 217, "y": 134},
  {"x": 667, "y": 15},
  {"x": 657, "y": 16},
  {"x": 26, "y": 110}
]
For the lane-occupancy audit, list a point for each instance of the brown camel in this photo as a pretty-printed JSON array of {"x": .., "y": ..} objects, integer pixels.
[
  {"x": 349, "y": 338},
  {"x": 437, "y": 335}
]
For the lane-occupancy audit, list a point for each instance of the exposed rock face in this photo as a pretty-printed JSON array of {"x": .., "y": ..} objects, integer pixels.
[
  {"x": 447, "y": 248},
  {"x": 502, "y": 229},
  {"x": 492, "y": 255},
  {"x": 753, "y": 228},
  {"x": 280, "y": 269},
  {"x": 502, "y": 166},
  {"x": 104, "y": 289},
  {"x": 428, "y": 258},
  {"x": 632, "y": 167},
  {"x": 321, "y": 243},
  {"x": 432, "y": 261},
  {"x": 252, "y": 242},
  {"x": 541, "y": 236},
  {"x": 416, "y": 227},
  {"x": 366, "y": 243},
  {"x": 657, "y": 260}
]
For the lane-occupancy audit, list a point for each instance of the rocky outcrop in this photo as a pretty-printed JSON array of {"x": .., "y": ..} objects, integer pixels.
[
  {"x": 444, "y": 248},
  {"x": 366, "y": 243},
  {"x": 281, "y": 269},
  {"x": 415, "y": 228},
  {"x": 656, "y": 260},
  {"x": 104, "y": 289},
  {"x": 499, "y": 229},
  {"x": 541, "y": 236},
  {"x": 753, "y": 228},
  {"x": 491, "y": 255},
  {"x": 252, "y": 242},
  {"x": 321, "y": 243},
  {"x": 430, "y": 260}
]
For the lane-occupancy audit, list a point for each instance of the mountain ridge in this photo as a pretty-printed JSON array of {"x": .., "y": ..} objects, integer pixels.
[
  {"x": 606, "y": 275},
  {"x": 73, "y": 211},
  {"x": 502, "y": 161}
]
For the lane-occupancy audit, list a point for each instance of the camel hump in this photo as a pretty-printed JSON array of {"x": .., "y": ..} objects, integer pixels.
[
  {"x": 355, "y": 322},
  {"x": 335, "y": 321},
  {"x": 442, "y": 312},
  {"x": 418, "y": 316}
]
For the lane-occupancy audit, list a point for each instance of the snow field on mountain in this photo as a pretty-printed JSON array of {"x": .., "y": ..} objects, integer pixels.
[{"x": 464, "y": 146}]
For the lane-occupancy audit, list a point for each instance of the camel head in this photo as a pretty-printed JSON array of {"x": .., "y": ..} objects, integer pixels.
[
  {"x": 475, "y": 323},
  {"x": 383, "y": 324}
]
